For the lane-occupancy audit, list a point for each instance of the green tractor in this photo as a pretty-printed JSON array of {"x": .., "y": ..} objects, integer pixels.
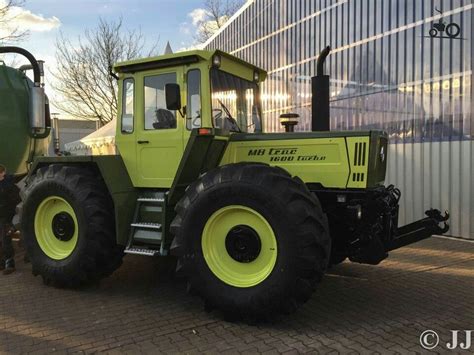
[{"x": 254, "y": 218}]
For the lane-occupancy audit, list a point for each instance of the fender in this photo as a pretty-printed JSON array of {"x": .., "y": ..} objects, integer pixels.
[{"x": 112, "y": 169}]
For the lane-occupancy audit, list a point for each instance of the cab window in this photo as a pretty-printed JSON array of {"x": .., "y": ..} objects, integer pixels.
[
  {"x": 128, "y": 105},
  {"x": 156, "y": 114},
  {"x": 193, "y": 110},
  {"x": 235, "y": 104}
]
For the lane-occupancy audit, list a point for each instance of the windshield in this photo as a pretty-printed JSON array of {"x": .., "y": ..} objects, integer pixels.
[{"x": 234, "y": 103}]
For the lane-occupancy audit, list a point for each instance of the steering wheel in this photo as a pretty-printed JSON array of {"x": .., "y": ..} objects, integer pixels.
[
  {"x": 216, "y": 117},
  {"x": 219, "y": 112},
  {"x": 229, "y": 117}
]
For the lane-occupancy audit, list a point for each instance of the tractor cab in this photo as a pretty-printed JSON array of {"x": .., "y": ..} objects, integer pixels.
[{"x": 164, "y": 98}]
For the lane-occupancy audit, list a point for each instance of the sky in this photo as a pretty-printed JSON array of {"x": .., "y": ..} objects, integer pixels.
[{"x": 160, "y": 21}]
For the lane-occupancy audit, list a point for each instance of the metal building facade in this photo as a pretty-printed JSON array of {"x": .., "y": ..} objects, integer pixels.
[{"x": 404, "y": 66}]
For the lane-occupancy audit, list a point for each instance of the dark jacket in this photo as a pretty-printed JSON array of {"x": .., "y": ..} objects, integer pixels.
[{"x": 9, "y": 198}]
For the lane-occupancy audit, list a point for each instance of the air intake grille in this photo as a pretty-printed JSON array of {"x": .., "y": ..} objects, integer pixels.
[
  {"x": 359, "y": 151},
  {"x": 359, "y": 177},
  {"x": 359, "y": 155}
]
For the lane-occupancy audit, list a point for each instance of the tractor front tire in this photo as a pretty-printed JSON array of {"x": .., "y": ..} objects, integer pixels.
[
  {"x": 252, "y": 241},
  {"x": 67, "y": 223}
]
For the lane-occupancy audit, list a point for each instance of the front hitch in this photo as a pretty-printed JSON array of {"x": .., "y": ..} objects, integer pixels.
[
  {"x": 419, "y": 230},
  {"x": 382, "y": 234}
]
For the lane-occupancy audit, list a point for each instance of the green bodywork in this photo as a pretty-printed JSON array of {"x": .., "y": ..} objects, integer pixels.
[
  {"x": 18, "y": 146},
  {"x": 168, "y": 160}
]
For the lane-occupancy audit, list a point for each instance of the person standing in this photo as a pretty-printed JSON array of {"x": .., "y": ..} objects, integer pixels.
[{"x": 9, "y": 198}]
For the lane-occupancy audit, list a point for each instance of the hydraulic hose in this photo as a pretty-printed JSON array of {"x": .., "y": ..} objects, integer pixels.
[{"x": 30, "y": 57}]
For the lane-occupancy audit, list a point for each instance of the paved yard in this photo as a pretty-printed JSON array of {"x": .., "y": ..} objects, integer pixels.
[{"x": 357, "y": 309}]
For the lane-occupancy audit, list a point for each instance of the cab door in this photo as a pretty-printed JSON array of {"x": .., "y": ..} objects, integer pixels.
[{"x": 159, "y": 137}]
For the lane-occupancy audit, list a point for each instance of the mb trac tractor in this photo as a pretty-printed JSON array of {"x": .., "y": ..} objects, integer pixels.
[{"x": 254, "y": 218}]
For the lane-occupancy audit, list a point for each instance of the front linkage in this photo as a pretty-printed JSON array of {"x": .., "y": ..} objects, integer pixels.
[
  {"x": 422, "y": 229},
  {"x": 364, "y": 223}
]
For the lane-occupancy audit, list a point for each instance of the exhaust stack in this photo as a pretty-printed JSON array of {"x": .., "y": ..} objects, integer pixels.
[
  {"x": 56, "y": 141},
  {"x": 320, "y": 95}
]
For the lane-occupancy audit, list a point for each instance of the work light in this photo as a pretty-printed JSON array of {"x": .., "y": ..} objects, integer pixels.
[
  {"x": 256, "y": 76},
  {"x": 216, "y": 61}
]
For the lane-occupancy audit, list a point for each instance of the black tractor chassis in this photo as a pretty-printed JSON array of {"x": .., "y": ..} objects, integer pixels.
[{"x": 364, "y": 223}]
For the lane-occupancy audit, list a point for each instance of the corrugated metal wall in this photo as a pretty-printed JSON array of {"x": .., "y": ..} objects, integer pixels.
[
  {"x": 437, "y": 174},
  {"x": 387, "y": 72}
]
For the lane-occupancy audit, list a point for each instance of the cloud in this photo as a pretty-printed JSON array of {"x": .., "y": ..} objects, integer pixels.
[
  {"x": 189, "y": 47},
  {"x": 24, "y": 20},
  {"x": 198, "y": 16},
  {"x": 203, "y": 25},
  {"x": 198, "y": 20},
  {"x": 185, "y": 28}
]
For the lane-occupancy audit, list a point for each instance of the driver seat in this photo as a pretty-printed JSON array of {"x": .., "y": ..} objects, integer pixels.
[{"x": 164, "y": 119}]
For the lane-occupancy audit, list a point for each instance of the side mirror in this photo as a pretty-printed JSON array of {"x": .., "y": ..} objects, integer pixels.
[{"x": 173, "y": 97}]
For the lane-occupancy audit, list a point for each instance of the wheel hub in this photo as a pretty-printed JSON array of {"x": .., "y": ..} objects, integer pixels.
[
  {"x": 240, "y": 255},
  {"x": 56, "y": 227},
  {"x": 63, "y": 226},
  {"x": 243, "y": 244}
]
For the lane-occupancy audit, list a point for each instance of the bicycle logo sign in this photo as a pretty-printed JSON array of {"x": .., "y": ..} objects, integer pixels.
[{"x": 452, "y": 29}]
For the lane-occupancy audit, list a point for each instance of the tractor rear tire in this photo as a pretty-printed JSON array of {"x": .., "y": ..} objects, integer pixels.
[
  {"x": 252, "y": 241},
  {"x": 67, "y": 222}
]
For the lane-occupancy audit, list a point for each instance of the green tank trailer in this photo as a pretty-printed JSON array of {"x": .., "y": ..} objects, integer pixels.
[
  {"x": 254, "y": 218},
  {"x": 24, "y": 114}
]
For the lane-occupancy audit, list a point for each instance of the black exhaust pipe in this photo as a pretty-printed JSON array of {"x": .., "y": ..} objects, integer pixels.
[{"x": 320, "y": 93}]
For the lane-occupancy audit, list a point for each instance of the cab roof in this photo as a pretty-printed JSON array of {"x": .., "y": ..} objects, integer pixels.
[{"x": 176, "y": 59}]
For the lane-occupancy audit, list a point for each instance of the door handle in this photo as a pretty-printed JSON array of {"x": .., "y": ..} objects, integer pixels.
[{"x": 143, "y": 142}]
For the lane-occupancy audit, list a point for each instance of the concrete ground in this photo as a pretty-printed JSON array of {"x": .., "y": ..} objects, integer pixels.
[{"x": 357, "y": 309}]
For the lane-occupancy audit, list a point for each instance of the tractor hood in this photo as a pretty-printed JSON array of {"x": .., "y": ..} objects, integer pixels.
[{"x": 345, "y": 159}]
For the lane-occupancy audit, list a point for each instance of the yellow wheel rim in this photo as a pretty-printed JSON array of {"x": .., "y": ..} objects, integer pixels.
[
  {"x": 221, "y": 234},
  {"x": 56, "y": 228}
]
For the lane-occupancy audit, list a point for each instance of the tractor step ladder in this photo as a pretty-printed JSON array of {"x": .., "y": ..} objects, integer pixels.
[{"x": 146, "y": 230}]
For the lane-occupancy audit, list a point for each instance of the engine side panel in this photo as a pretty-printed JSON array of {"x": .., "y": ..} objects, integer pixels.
[
  {"x": 332, "y": 159},
  {"x": 322, "y": 160}
]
